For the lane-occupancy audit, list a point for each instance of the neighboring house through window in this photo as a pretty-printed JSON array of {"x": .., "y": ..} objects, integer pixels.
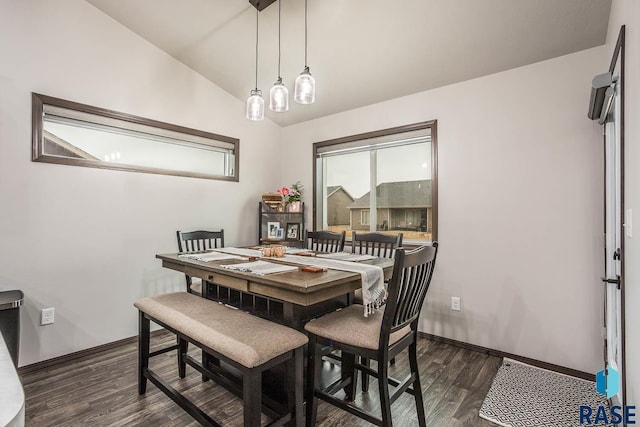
[{"x": 381, "y": 181}]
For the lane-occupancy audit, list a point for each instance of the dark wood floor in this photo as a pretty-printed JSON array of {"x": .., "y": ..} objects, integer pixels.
[{"x": 101, "y": 390}]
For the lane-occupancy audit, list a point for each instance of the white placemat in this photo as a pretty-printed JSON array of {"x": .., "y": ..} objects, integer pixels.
[
  {"x": 260, "y": 267},
  {"x": 210, "y": 256}
]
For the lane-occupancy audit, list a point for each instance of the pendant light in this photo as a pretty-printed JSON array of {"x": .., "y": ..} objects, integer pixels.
[
  {"x": 255, "y": 103},
  {"x": 279, "y": 94},
  {"x": 305, "y": 90}
]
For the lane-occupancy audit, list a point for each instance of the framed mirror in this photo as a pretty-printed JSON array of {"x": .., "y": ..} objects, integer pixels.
[{"x": 70, "y": 133}]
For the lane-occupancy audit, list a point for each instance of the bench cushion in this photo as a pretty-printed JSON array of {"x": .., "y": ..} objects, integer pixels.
[{"x": 239, "y": 336}]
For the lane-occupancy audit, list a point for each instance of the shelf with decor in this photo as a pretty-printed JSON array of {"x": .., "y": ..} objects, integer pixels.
[{"x": 279, "y": 224}]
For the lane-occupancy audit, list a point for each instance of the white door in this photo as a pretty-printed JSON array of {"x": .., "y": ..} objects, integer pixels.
[{"x": 613, "y": 235}]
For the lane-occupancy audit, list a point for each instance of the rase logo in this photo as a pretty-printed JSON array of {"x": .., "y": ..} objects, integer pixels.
[{"x": 607, "y": 384}]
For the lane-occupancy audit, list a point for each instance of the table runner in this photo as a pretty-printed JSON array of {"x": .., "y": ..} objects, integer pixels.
[{"x": 374, "y": 294}]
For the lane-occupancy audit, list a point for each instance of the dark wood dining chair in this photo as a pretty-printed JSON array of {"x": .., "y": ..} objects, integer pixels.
[
  {"x": 380, "y": 337},
  {"x": 198, "y": 241},
  {"x": 377, "y": 244},
  {"x": 380, "y": 245},
  {"x": 324, "y": 241}
]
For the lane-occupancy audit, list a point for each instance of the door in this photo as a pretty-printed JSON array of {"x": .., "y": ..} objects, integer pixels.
[{"x": 614, "y": 245}]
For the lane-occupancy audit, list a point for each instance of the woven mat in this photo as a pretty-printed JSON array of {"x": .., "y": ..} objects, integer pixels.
[{"x": 523, "y": 395}]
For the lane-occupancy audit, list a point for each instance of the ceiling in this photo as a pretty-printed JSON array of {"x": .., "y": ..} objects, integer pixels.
[{"x": 361, "y": 51}]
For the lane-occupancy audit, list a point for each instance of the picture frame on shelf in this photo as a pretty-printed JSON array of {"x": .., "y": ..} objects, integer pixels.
[
  {"x": 293, "y": 230},
  {"x": 272, "y": 229},
  {"x": 279, "y": 233}
]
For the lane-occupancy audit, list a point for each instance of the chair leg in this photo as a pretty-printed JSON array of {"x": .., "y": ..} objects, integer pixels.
[
  {"x": 313, "y": 368},
  {"x": 144, "y": 337},
  {"x": 365, "y": 376},
  {"x": 252, "y": 396},
  {"x": 348, "y": 371},
  {"x": 417, "y": 388},
  {"x": 182, "y": 357},
  {"x": 383, "y": 386}
]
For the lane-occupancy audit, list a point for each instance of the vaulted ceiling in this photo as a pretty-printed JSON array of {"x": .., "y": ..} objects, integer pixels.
[{"x": 361, "y": 51}]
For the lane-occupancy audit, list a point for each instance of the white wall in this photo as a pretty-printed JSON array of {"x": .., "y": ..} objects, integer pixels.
[
  {"x": 520, "y": 205},
  {"x": 83, "y": 240},
  {"x": 627, "y": 12}
]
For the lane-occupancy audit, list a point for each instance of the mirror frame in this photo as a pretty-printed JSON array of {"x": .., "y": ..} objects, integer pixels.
[{"x": 37, "y": 146}]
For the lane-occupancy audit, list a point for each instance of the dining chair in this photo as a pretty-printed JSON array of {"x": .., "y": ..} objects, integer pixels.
[
  {"x": 380, "y": 245},
  {"x": 198, "y": 241},
  {"x": 380, "y": 337},
  {"x": 324, "y": 241}
]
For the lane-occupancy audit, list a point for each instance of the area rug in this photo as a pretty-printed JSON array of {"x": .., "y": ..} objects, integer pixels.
[{"x": 523, "y": 395}]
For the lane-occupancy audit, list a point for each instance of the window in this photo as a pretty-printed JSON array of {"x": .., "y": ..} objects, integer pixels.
[
  {"x": 75, "y": 134},
  {"x": 384, "y": 181},
  {"x": 364, "y": 217}
]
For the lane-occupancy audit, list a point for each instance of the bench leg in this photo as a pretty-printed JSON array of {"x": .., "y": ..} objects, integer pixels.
[
  {"x": 252, "y": 396},
  {"x": 183, "y": 346},
  {"x": 299, "y": 389},
  {"x": 313, "y": 373},
  {"x": 294, "y": 377},
  {"x": 144, "y": 336}
]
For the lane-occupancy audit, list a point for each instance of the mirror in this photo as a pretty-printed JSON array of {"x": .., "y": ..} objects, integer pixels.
[{"x": 70, "y": 133}]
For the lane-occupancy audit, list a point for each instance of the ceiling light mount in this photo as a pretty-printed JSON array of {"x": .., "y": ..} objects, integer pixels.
[{"x": 261, "y": 4}]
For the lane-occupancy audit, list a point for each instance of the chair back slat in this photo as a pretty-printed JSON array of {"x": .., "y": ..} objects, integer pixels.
[
  {"x": 197, "y": 241},
  {"x": 377, "y": 244},
  {"x": 324, "y": 241},
  {"x": 412, "y": 273}
]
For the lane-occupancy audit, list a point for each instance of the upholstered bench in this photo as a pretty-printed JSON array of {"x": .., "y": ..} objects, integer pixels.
[{"x": 247, "y": 343}]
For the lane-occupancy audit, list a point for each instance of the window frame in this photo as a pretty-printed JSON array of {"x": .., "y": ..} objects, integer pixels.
[
  {"x": 39, "y": 102},
  {"x": 368, "y": 216},
  {"x": 431, "y": 124}
]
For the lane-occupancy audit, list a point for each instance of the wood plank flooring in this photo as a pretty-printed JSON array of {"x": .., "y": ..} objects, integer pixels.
[{"x": 101, "y": 390}]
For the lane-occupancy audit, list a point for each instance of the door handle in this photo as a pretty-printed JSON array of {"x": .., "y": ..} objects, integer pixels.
[{"x": 615, "y": 281}]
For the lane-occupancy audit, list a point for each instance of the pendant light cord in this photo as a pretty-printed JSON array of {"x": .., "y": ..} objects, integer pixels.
[
  {"x": 305, "y": 33},
  {"x": 257, "y": 28},
  {"x": 279, "y": 3}
]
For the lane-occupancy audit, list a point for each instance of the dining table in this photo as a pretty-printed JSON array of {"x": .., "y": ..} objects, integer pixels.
[
  {"x": 290, "y": 297},
  {"x": 298, "y": 293}
]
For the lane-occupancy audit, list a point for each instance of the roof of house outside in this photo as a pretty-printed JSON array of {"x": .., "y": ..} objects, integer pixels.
[
  {"x": 403, "y": 194},
  {"x": 334, "y": 188}
]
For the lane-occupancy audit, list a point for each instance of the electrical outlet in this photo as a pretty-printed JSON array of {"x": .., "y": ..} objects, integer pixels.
[
  {"x": 455, "y": 303},
  {"x": 47, "y": 316}
]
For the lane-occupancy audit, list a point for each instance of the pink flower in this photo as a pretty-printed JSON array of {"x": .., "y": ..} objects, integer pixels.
[{"x": 284, "y": 191}]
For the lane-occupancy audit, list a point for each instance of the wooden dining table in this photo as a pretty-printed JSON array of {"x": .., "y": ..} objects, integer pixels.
[{"x": 291, "y": 298}]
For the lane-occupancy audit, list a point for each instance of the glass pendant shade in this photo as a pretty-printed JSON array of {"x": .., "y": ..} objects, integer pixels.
[
  {"x": 279, "y": 97},
  {"x": 305, "y": 90},
  {"x": 255, "y": 105}
]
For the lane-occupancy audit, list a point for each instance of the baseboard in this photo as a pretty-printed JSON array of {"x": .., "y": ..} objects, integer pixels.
[
  {"x": 45, "y": 364},
  {"x": 498, "y": 353}
]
